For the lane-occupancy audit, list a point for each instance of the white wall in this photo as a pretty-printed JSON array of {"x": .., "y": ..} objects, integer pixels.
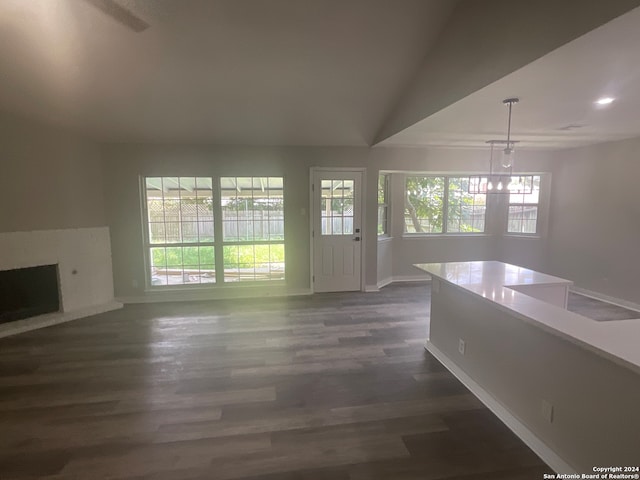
[
  {"x": 530, "y": 251},
  {"x": 53, "y": 180},
  {"x": 52, "y": 211},
  {"x": 595, "y": 401},
  {"x": 409, "y": 249},
  {"x": 385, "y": 261},
  {"x": 590, "y": 239},
  {"x": 594, "y": 231},
  {"x": 124, "y": 164},
  {"x": 50, "y": 179}
]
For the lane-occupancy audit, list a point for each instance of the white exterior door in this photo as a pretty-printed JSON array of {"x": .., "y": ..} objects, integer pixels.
[{"x": 337, "y": 231}]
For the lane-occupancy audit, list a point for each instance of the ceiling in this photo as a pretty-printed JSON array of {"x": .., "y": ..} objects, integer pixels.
[
  {"x": 557, "y": 94},
  {"x": 277, "y": 72}
]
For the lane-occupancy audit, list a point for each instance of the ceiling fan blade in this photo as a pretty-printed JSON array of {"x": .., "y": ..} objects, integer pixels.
[{"x": 120, "y": 14}]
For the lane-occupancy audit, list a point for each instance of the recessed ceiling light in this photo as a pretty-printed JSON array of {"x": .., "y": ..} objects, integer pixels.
[{"x": 605, "y": 100}]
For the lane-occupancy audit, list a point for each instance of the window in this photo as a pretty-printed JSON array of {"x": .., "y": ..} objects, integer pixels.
[
  {"x": 180, "y": 230},
  {"x": 383, "y": 204},
  {"x": 465, "y": 210},
  {"x": 444, "y": 205},
  {"x": 424, "y": 205},
  {"x": 252, "y": 228},
  {"x": 337, "y": 203},
  {"x": 524, "y": 197},
  {"x": 183, "y": 245}
]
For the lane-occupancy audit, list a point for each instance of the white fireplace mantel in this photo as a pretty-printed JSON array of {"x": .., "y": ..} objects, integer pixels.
[{"x": 83, "y": 256}]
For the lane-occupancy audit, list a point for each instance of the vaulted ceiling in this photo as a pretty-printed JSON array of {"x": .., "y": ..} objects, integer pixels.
[
  {"x": 558, "y": 97},
  {"x": 271, "y": 72},
  {"x": 216, "y": 71}
]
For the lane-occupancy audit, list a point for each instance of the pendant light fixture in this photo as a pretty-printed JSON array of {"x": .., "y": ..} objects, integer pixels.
[
  {"x": 499, "y": 179},
  {"x": 508, "y": 154}
]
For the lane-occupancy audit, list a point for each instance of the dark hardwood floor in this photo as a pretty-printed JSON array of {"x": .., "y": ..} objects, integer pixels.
[
  {"x": 598, "y": 310},
  {"x": 333, "y": 386}
]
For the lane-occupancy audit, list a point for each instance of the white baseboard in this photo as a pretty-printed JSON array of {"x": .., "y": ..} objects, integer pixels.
[
  {"x": 411, "y": 278},
  {"x": 210, "y": 294},
  {"x": 177, "y": 295},
  {"x": 541, "y": 449},
  {"x": 403, "y": 278},
  {"x": 605, "y": 298},
  {"x": 49, "y": 319}
]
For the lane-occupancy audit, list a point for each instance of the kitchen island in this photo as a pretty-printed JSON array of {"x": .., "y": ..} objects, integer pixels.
[{"x": 559, "y": 380}]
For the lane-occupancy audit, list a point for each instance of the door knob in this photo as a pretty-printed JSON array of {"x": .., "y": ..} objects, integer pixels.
[{"x": 357, "y": 239}]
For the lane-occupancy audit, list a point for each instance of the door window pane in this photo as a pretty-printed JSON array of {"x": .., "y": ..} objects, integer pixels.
[{"x": 337, "y": 215}]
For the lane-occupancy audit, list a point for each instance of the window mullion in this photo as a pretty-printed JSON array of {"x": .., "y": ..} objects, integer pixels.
[
  {"x": 147, "y": 231},
  {"x": 218, "y": 247},
  {"x": 445, "y": 205}
]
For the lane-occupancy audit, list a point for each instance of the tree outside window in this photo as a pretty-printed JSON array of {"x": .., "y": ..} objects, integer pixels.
[{"x": 442, "y": 204}]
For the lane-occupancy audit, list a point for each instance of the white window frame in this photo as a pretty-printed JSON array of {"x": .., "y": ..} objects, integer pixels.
[
  {"x": 218, "y": 243},
  {"x": 540, "y": 206},
  {"x": 385, "y": 205},
  {"x": 445, "y": 206},
  {"x": 148, "y": 245},
  {"x": 248, "y": 242}
]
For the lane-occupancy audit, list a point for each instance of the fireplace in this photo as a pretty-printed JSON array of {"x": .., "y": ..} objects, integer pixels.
[{"x": 27, "y": 292}]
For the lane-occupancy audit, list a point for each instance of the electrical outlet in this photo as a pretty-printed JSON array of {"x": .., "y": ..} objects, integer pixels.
[
  {"x": 134, "y": 283},
  {"x": 546, "y": 410},
  {"x": 461, "y": 346}
]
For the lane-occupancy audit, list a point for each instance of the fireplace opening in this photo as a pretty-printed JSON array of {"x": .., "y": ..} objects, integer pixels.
[{"x": 27, "y": 292}]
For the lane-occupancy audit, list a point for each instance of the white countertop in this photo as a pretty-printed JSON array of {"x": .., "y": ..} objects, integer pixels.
[
  {"x": 488, "y": 275},
  {"x": 617, "y": 340}
]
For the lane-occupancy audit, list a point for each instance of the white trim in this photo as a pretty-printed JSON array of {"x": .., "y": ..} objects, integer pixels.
[
  {"x": 217, "y": 244},
  {"x": 312, "y": 217},
  {"x": 339, "y": 169},
  {"x": 144, "y": 222},
  {"x": 411, "y": 278},
  {"x": 403, "y": 278},
  {"x": 551, "y": 458},
  {"x": 414, "y": 236},
  {"x": 212, "y": 287},
  {"x": 363, "y": 225},
  {"x": 311, "y": 223},
  {"x": 230, "y": 292},
  {"x": 530, "y": 236},
  {"x": 606, "y": 298},
  {"x": 49, "y": 319},
  {"x": 213, "y": 294}
]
